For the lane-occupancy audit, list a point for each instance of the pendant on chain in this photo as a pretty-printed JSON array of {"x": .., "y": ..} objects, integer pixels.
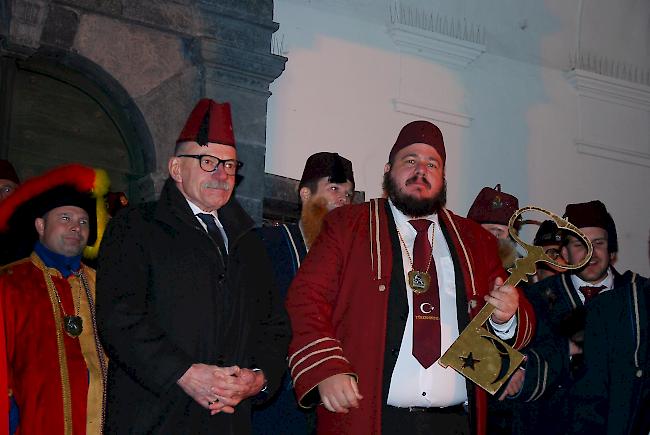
[
  {"x": 73, "y": 325},
  {"x": 419, "y": 281}
]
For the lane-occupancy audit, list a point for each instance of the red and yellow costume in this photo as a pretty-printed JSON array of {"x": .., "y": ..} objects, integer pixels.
[
  {"x": 338, "y": 305},
  {"x": 45, "y": 364},
  {"x": 57, "y": 381}
]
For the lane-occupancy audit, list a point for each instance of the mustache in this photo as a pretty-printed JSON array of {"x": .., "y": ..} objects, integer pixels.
[
  {"x": 414, "y": 179},
  {"x": 222, "y": 185}
]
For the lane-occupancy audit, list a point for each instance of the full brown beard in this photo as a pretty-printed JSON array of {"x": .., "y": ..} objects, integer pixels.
[
  {"x": 311, "y": 218},
  {"x": 409, "y": 205}
]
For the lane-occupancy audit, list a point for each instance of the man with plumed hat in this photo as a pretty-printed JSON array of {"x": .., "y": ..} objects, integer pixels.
[
  {"x": 56, "y": 364},
  {"x": 189, "y": 314},
  {"x": 493, "y": 209},
  {"x": 327, "y": 183},
  {"x": 9, "y": 180},
  {"x": 554, "y": 358},
  {"x": 386, "y": 288}
]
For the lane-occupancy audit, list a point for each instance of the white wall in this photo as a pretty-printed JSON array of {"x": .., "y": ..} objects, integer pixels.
[{"x": 510, "y": 117}]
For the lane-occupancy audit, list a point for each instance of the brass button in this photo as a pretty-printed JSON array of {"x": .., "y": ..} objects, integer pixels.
[{"x": 382, "y": 287}]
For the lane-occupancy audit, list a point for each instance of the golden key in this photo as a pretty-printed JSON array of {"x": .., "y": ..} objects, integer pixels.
[{"x": 477, "y": 353}]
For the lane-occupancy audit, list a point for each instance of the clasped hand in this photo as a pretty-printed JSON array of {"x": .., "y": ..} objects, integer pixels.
[{"x": 220, "y": 389}]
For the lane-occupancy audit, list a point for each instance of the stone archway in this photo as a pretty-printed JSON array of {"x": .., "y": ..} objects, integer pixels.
[{"x": 58, "y": 108}]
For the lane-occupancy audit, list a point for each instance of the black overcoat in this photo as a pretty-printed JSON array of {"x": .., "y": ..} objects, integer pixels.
[{"x": 167, "y": 299}]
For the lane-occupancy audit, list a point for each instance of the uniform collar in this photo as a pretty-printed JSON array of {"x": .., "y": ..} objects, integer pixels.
[
  {"x": 65, "y": 265},
  {"x": 608, "y": 281}
]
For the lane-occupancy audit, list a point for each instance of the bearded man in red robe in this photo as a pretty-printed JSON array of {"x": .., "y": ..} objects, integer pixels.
[{"x": 385, "y": 290}]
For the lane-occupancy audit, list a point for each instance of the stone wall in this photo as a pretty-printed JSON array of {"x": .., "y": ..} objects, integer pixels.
[{"x": 157, "y": 58}]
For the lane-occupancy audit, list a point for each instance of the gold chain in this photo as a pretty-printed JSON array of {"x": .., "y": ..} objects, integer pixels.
[
  {"x": 63, "y": 360},
  {"x": 77, "y": 306},
  {"x": 406, "y": 249}
]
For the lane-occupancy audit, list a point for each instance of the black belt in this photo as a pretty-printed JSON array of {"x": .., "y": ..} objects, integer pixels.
[{"x": 456, "y": 409}]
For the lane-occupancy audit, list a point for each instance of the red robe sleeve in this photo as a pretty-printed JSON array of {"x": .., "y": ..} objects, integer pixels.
[{"x": 314, "y": 353}]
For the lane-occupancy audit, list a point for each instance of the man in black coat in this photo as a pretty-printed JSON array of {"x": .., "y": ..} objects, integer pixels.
[
  {"x": 554, "y": 358},
  {"x": 613, "y": 396},
  {"x": 188, "y": 311}
]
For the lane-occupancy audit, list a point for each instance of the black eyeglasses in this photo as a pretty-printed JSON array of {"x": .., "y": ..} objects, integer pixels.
[{"x": 210, "y": 163}]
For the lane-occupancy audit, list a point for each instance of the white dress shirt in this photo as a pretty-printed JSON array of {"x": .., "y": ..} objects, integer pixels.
[
  {"x": 608, "y": 282},
  {"x": 196, "y": 210},
  {"x": 411, "y": 384}
]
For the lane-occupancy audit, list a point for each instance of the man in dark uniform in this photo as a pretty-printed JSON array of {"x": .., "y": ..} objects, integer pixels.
[
  {"x": 549, "y": 237},
  {"x": 554, "y": 357},
  {"x": 327, "y": 183},
  {"x": 613, "y": 396},
  {"x": 189, "y": 314}
]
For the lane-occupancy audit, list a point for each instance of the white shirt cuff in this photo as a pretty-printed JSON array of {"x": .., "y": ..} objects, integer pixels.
[{"x": 505, "y": 331}]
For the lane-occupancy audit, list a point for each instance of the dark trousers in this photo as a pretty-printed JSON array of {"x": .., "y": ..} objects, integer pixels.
[{"x": 433, "y": 421}]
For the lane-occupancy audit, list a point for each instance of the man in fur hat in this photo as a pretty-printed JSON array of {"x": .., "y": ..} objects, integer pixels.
[
  {"x": 56, "y": 364},
  {"x": 554, "y": 359},
  {"x": 385, "y": 290},
  {"x": 188, "y": 309},
  {"x": 9, "y": 180},
  {"x": 493, "y": 209},
  {"x": 327, "y": 183}
]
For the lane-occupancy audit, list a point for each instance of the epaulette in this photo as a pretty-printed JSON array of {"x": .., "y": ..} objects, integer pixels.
[{"x": 8, "y": 269}]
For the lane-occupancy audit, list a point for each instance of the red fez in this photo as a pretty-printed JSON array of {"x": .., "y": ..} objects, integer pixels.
[
  {"x": 209, "y": 122},
  {"x": 492, "y": 206},
  {"x": 419, "y": 132},
  {"x": 7, "y": 171},
  {"x": 338, "y": 169},
  {"x": 593, "y": 214}
]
